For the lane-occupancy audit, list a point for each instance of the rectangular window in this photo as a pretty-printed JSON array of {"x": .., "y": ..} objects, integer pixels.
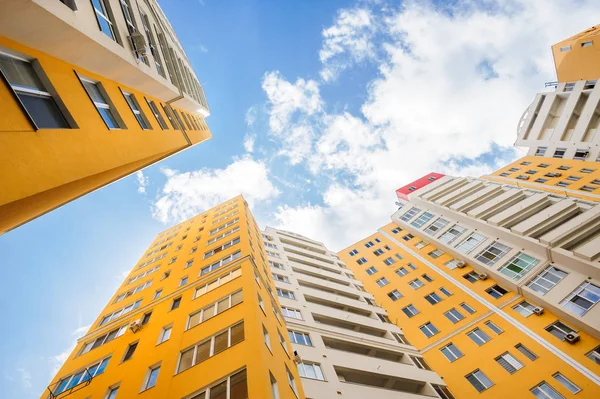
[
  {"x": 106, "y": 110},
  {"x": 118, "y": 313},
  {"x": 410, "y": 310},
  {"x": 175, "y": 304},
  {"x": 559, "y": 330},
  {"x": 130, "y": 351},
  {"x": 566, "y": 383},
  {"x": 526, "y": 352},
  {"x": 420, "y": 363},
  {"x": 587, "y": 170},
  {"x": 427, "y": 278},
  {"x": 454, "y": 315},
  {"x": 285, "y": 294},
  {"x": 211, "y": 285},
  {"x": 496, "y": 291},
  {"x": 429, "y": 329},
  {"x": 494, "y": 327},
  {"x": 291, "y": 381},
  {"x": 472, "y": 276},
  {"x": 421, "y": 220},
  {"x": 169, "y": 116},
  {"x": 382, "y": 282},
  {"x": 467, "y": 308},
  {"x": 436, "y": 226},
  {"x": 401, "y": 272},
  {"x": 299, "y": 338},
  {"x": 378, "y": 252},
  {"x": 394, "y": 295},
  {"x": 157, "y": 115},
  {"x": 435, "y": 254},
  {"x": 445, "y": 291},
  {"x": 452, "y": 234},
  {"x": 421, "y": 244},
  {"x": 353, "y": 252},
  {"x": 594, "y": 355},
  {"x": 266, "y": 338},
  {"x": 361, "y": 261},
  {"x": 411, "y": 212},
  {"x": 103, "y": 18},
  {"x": 151, "y": 378},
  {"x": 274, "y": 387},
  {"x": 470, "y": 243},
  {"x": 478, "y": 336},
  {"x": 103, "y": 339},
  {"x": 559, "y": 153},
  {"x": 479, "y": 380},
  {"x": 214, "y": 309},
  {"x": 369, "y": 244},
  {"x": 137, "y": 112},
  {"x": 519, "y": 265},
  {"x": 433, "y": 298},
  {"x": 80, "y": 377},
  {"x": 451, "y": 352},
  {"x": 371, "y": 270},
  {"x": 220, "y": 263},
  {"x": 547, "y": 279},
  {"x": 509, "y": 362},
  {"x": 524, "y": 308},
  {"x": 541, "y": 151},
  {"x": 408, "y": 237},
  {"x": 416, "y": 283},
  {"x": 35, "y": 99},
  {"x": 492, "y": 253},
  {"x": 582, "y": 299},
  {"x": 389, "y": 261},
  {"x": 165, "y": 334},
  {"x": 281, "y": 278},
  {"x": 545, "y": 391},
  {"x": 311, "y": 370},
  {"x": 291, "y": 313}
]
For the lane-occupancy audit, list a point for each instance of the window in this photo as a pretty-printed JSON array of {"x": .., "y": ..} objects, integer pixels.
[
  {"x": 518, "y": 265},
  {"x": 118, "y": 313},
  {"x": 399, "y": 256},
  {"x": 135, "y": 108},
  {"x": 433, "y": 298},
  {"x": 112, "y": 393},
  {"x": 291, "y": 313},
  {"x": 408, "y": 237},
  {"x": 400, "y": 338},
  {"x": 427, "y": 278},
  {"x": 589, "y": 189},
  {"x": 361, "y": 261},
  {"x": 291, "y": 381},
  {"x": 451, "y": 352},
  {"x": 104, "y": 19},
  {"x": 453, "y": 263},
  {"x": 565, "y": 48},
  {"x": 472, "y": 276},
  {"x": 416, "y": 283},
  {"x": 454, "y": 315},
  {"x": 353, "y": 252},
  {"x": 39, "y": 105},
  {"x": 563, "y": 184},
  {"x": 469, "y": 243},
  {"x": 274, "y": 387},
  {"x": 411, "y": 212},
  {"x": 410, "y": 310},
  {"x": 504, "y": 174},
  {"x": 478, "y": 336},
  {"x": 436, "y": 226},
  {"x": 152, "y": 45},
  {"x": 492, "y": 253},
  {"x": 467, "y": 308},
  {"x": 479, "y": 380},
  {"x": 183, "y": 281},
  {"x": 311, "y": 370},
  {"x": 545, "y": 391},
  {"x": 130, "y": 351},
  {"x": 157, "y": 115},
  {"x": 559, "y": 330},
  {"x": 524, "y": 308},
  {"x": 211, "y": 346},
  {"x": 398, "y": 230},
  {"x": 566, "y": 383},
  {"x": 587, "y": 170},
  {"x": 547, "y": 279},
  {"x": 540, "y": 180},
  {"x": 105, "y": 108},
  {"x": 564, "y": 167},
  {"x": 435, "y": 254},
  {"x": 401, "y": 272},
  {"x": 175, "y": 304},
  {"x": 420, "y": 363},
  {"x": 494, "y": 327},
  {"x": 582, "y": 299},
  {"x": 574, "y": 178},
  {"x": 509, "y": 362},
  {"x": 378, "y": 252},
  {"x": 421, "y": 220},
  {"x": 394, "y": 295},
  {"x": 103, "y": 339},
  {"x": 220, "y": 263},
  {"x": 382, "y": 282},
  {"x": 543, "y": 165},
  {"x": 266, "y": 338},
  {"x": 285, "y": 294},
  {"x": 279, "y": 277},
  {"x": 215, "y": 308},
  {"x": 413, "y": 267},
  {"x": 300, "y": 338},
  {"x": 541, "y": 151},
  {"x": 80, "y": 377},
  {"x": 594, "y": 355},
  {"x": 151, "y": 378},
  {"x": 559, "y": 153},
  {"x": 389, "y": 261},
  {"x": 165, "y": 334},
  {"x": 513, "y": 170},
  {"x": 445, "y": 291},
  {"x": 146, "y": 318},
  {"x": 496, "y": 291},
  {"x": 219, "y": 281},
  {"x": 369, "y": 244},
  {"x": 371, "y": 270},
  {"x": 429, "y": 329},
  {"x": 526, "y": 352}
]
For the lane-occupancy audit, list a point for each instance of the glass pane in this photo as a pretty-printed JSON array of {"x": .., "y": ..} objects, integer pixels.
[
  {"x": 221, "y": 342},
  {"x": 102, "y": 366},
  {"x": 203, "y": 352},
  {"x": 194, "y": 319},
  {"x": 223, "y": 305},
  {"x": 219, "y": 391},
  {"x": 94, "y": 92},
  {"x": 187, "y": 358},
  {"x": 105, "y": 26},
  {"x": 208, "y": 312},
  {"x": 237, "y": 333},
  {"x": 108, "y": 117},
  {"x": 20, "y": 73},
  {"x": 43, "y": 110},
  {"x": 238, "y": 387},
  {"x": 152, "y": 378},
  {"x": 75, "y": 380},
  {"x": 236, "y": 298}
]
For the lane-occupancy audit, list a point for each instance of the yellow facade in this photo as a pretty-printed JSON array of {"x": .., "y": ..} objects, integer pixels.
[
  {"x": 402, "y": 250},
  {"x": 580, "y": 179},
  {"x": 578, "y": 57},
  {"x": 42, "y": 169},
  {"x": 186, "y": 246}
]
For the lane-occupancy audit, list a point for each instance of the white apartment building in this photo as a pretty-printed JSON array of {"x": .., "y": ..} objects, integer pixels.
[{"x": 344, "y": 344}]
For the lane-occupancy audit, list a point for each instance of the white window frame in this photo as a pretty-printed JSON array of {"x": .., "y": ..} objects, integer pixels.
[
  {"x": 492, "y": 253},
  {"x": 585, "y": 292},
  {"x": 477, "y": 335},
  {"x": 472, "y": 241},
  {"x": 520, "y": 261},
  {"x": 451, "y": 352}
]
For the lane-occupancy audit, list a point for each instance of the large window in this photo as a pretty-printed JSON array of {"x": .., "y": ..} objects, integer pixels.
[
  {"x": 452, "y": 234},
  {"x": 234, "y": 386},
  {"x": 285, "y": 294},
  {"x": 211, "y": 346},
  {"x": 518, "y": 265},
  {"x": 382, "y": 282},
  {"x": 105, "y": 108},
  {"x": 220, "y": 263},
  {"x": 454, "y": 315},
  {"x": 40, "y": 106},
  {"x": 469, "y": 243},
  {"x": 566, "y": 382},
  {"x": 214, "y": 309},
  {"x": 311, "y": 370},
  {"x": 394, "y": 295},
  {"x": 559, "y": 330},
  {"x": 410, "y": 310},
  {"x": 103, "y": 339},
  {"x": 433, "y": 298},
  {"x": 211, "y": 285},
  {"x": 300, "y": 338},
  {"x": 411, "y": 212},
  {"x": 582, "y": 299},
  {"x": 291, "y": 313},
  {"x": 492, "y": 253},
  {"x": 545, "y": 391},
  {"x": 478, "y": 336},
  {"x": 436, "y": 226},
  {"x": 157, "y": 115},
  {"x": 80, "y": 376},
  {"x": 479, "y": 380},
  {"x": 429, "y": 329},
  {"x": 451, "y": 352},
  {"x": 120, "y": 312},
  {"x": 496, "y": 291},
  {"x": 421, "y": 220},
  {"x": 103, "y": 17}
]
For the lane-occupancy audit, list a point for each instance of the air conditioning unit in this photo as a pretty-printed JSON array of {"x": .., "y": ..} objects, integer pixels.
[
  {"x": 483, "y": 276},
  {"x": 138, "y": 41},
  {"x": 461, "y": 264},
  {"x": 297, "y": 358},
  {"x": 538, "y": 311},
  {"x": 136, "y": 325},
  {"x": 572, "y": 337}
]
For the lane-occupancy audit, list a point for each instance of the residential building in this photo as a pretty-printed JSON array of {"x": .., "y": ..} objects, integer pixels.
[
  {"x": 197, "y": 317},
  {"x": 92, "y": 91},
  {"x": 345, "y": 344}
]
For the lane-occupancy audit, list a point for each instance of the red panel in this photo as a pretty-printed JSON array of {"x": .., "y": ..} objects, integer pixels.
[{"x": 403, "y": 192}]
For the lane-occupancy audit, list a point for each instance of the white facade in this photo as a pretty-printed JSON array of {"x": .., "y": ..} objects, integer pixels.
[{"x": 345, "y": 343}]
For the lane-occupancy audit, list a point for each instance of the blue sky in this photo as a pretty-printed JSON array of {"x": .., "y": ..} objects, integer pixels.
[{"x": 320, "y": 109}]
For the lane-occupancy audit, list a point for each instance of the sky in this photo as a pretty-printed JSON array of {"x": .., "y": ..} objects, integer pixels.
[{"x": 319, "y": 111}]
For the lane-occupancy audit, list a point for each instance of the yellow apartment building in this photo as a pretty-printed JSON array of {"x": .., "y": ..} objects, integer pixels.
[
  {"x": 578, "y": 57},
  {"x": 197, "y": 318},
  {"x": 92, "y": 91}
]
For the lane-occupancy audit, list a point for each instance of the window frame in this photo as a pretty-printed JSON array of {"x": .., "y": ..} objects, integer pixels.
[{"x": 107, "y": 104}]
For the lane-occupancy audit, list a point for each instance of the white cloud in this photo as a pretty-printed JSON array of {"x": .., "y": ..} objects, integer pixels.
[
  {"x": 186, "y": 194},
  {"x": 249, "y": 141},
  {"x": 349, "y": 40},
  {"x": 142, "y": 181},
  {"x": 58, "y": 360}
]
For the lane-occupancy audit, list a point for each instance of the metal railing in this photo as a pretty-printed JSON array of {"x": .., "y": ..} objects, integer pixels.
[{"x": 84, "y": 380}]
